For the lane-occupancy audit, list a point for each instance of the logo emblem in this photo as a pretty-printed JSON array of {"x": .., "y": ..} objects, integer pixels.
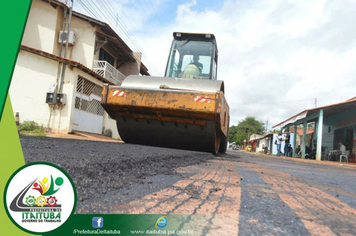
[
  {"x": 39, "y": 197},
  {"x": 161, "y": 222},
  {"x": 98, "y": 222}
]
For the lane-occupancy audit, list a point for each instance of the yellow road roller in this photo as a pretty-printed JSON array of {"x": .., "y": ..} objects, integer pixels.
[{"x": 185, "y": 109}]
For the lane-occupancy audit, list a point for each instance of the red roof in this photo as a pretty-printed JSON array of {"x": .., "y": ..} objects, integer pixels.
[
  {"x": 65, "y": 61},
  {"x": 334, "y": 108}
]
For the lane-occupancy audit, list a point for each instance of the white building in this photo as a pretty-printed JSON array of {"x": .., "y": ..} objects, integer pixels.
[{"x": 95, "y": 55}]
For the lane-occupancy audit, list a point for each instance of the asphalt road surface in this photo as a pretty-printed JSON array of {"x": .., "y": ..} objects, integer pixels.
[{"x": 237, "y": 193}]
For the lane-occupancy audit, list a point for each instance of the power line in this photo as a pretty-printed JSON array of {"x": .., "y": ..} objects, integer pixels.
[
  {"x": 87, "y": 9},
  {"x": 122, "y": 25},
  {"x": 159, "y": 19},
  {"x": 128, "y": 35},
  {"x": 105, "y": 16},
  {"x": 145, "y": 11},
  {"x": 104, "y": 11}
]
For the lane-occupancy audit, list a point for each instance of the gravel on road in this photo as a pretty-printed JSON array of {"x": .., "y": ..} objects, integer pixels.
[
  {"x": 98, "y": 168},
  {"x": 238, "y": 193}
]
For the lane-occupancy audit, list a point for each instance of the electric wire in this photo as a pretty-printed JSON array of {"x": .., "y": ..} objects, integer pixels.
[
  {"x": 89, "y": 12},
  {"x": 122, "y": 26},
  {"x": 145, "y": 11},
  {"x": 159, "y": 19},
  {"x": 103, "y": 11},
  {"x": 96, "y": 14}
]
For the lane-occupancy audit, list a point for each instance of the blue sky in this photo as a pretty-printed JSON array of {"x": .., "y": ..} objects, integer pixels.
[
  {"x": 167, "y": 9},
  {"x": 275, "y": 56}
]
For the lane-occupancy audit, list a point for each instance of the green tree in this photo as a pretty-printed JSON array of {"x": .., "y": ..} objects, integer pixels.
[
  {"x": 275, "y": 131},
  {"x": 232, "y": 133},
  {"x": 244, "y": 129}
]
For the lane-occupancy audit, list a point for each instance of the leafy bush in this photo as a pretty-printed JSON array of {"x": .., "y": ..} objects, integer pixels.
[{"x": 31, "y": 127}]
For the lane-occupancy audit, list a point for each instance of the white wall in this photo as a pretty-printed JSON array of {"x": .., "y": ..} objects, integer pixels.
[
  {"x": 40, "y": 31},
  {"x": 64, "y": 117},
  {"x": 111, "y": 124},
  {"x": 262, "y": 144},
  {"x": 29, "y": 85},
  {"x": 83, "y": 50},
  {"x": 33, "y": 76}
]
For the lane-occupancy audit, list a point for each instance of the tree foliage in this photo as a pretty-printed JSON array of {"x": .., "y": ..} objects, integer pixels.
[
  {"x": 244, "y": 129},
  {"x": 232, "y": 133}
]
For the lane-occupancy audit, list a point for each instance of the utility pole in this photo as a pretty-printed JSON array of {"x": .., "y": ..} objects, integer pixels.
[
  {"x": 316, "y": 102},
  {"x": 66, "y": 48}
]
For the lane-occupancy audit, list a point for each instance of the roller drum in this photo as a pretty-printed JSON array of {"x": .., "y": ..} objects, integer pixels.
[{"x": 169, "y": 134}]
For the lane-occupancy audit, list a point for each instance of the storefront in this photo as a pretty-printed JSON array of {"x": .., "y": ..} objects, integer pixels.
[
  {"x": 333, "y": 124},
  {"x": 345, "y": 129}
]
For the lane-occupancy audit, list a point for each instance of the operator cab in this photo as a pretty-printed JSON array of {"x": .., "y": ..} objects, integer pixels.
[{"x": 193, "y": 56}]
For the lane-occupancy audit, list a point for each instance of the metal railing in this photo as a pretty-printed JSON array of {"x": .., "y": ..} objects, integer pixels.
[{"x": 109, "y": 72}]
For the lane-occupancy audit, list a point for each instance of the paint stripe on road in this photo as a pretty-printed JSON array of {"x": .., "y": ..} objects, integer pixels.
[
  {"x": 320, "y": 212},
  {"x": 262, "y": 211},
  {"x": 210, "y": 191}
]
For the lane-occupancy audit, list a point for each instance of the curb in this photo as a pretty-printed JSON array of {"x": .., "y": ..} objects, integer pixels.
[
  {"x": 85, "y": 136},
  {"x": 328, "y": 163}
]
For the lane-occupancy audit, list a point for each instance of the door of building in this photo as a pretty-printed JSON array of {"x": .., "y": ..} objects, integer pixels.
[
  {"x": 88, "y": 112},
  {"x": 349, "y": 139},
  {"x": 338, "y": 137}
]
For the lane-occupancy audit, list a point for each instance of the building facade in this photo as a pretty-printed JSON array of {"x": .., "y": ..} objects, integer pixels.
[
  {"x": 58, "y": 77},
  {"x": 332, "y": 123}
]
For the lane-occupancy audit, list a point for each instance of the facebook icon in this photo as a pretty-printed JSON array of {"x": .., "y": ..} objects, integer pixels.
[{"x": 98, "y": 222}]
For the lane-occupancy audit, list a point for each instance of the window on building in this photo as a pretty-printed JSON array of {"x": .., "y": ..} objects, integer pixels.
[{"x": 105, "y": 56}]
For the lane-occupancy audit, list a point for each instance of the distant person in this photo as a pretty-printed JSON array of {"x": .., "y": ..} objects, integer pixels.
[
  {"x": 197, "y": 63},
  {"x": 307, "y": 152},
  {"x": 342, "y": 148},
  {"x": 279, "y": 144},
  {"x": 341, "y": 151},
  {"x": 286, "y": 142}
]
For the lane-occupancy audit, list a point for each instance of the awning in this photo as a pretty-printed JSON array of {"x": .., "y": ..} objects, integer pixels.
[
  {"x": 329, "y": 110},
  {"x": 291, "y": 120}
]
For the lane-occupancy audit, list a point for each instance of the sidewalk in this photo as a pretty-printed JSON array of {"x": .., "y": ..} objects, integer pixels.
[
  {"x": 332, "y": 163},
  {"x": 85, "y": 136}
]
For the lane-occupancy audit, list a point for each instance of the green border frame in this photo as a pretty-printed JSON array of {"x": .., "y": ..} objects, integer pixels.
[
  {"x": 31, "y": 164},
  {"x": 15, "y": 16}
]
